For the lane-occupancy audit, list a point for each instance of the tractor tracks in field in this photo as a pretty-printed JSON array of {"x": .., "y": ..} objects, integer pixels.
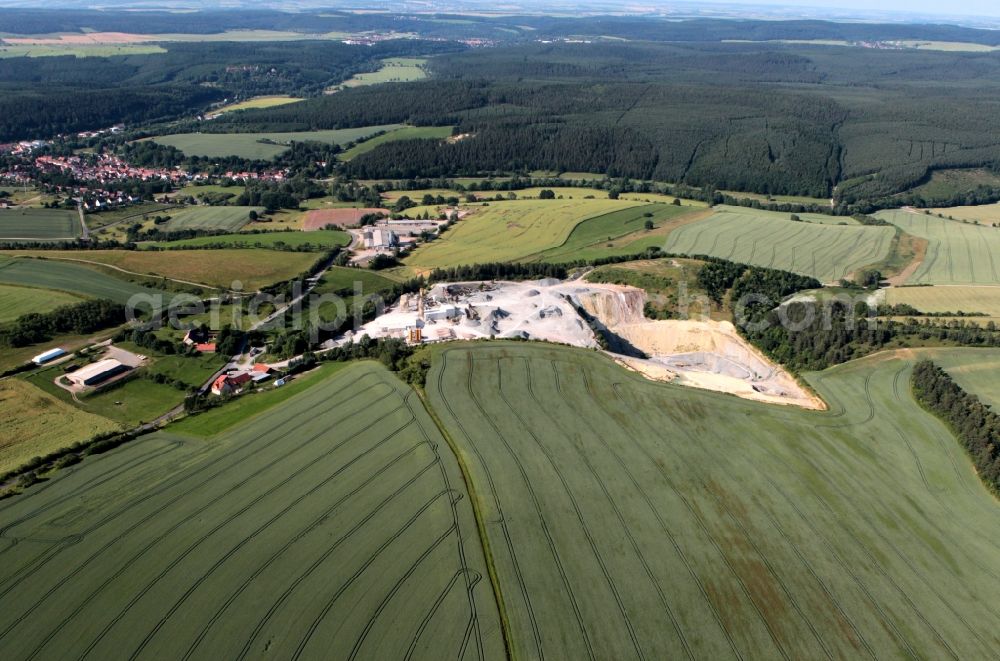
[
  {"x": 519, "y": 577},
  {"x": 151, "y": 545},
  {"x": 18, "y": 577}
]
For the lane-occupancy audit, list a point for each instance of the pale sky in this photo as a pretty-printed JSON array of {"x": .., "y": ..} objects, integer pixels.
[{"x": 966, "y": 7}]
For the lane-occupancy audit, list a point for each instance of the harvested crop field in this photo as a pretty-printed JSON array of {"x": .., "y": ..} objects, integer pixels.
[
  {"x": 36, "y": 423},
  {"x": 633, "y": 519},
  {"x": 228, "y": 219},
  {"x": 824, "y": 251},
  {"x": 254, "y": 268},
  {"x": 319, "y": 218},
  {"x": 39, "y": 224},
  {"x": 957, "y": 253},
  {"x": 336, "y": 525}
]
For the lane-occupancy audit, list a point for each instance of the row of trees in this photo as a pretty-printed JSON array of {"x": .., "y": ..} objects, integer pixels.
[
  {"x": 972, "y": 421},
  {"x": 78, "y": 319}
]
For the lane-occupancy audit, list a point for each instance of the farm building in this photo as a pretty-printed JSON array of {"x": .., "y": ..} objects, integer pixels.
[
  {"x": 97, "y": 373},
  {"x": 49, "y": 355},
  {"x": 227, "y": 384}
]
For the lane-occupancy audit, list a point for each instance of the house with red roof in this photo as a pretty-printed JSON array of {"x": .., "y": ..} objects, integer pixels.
[{"x": 227, "y": 384}]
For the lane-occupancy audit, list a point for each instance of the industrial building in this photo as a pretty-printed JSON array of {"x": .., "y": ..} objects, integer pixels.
[
  {"x": 97, "y": 373},
  {"x": 379, "y": 237}
]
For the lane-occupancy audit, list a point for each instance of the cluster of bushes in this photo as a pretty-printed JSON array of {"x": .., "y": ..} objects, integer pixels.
[{"x": 975, "y": 425}]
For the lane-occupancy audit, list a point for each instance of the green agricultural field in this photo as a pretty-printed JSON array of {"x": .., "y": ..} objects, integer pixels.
[
  {"x": 253, "y": 268},
  {"x": 36, "y": 423},
  {"x": 319, "y": 240},
  {"x": 335, "y": 525},
  {"x": 250, "y": 145},
  {"x": 505, "y": 231},
  {"x": 77, "y": 50},
  {"x": 629, "y": 519},
  {"x": 404, "y": 133},
  {"x": 39, "y": 224},
  {"x": 987, "y": 214},
  {"x": 763, "y": 238},
  {"x": 258, "y": 102},
  {"x": 973, "y": 369},
  {"x": 229, "y": 219},
  {"x": 68, "y": 277},
  {"x": 957, "y": 253},
  {"x": 16, "y": 301},
  {"x": 979, "y": 299},
  {"x": 594, "y": 234},
  {"x": 136, "y": 214},
  {"x": 393, "y": 70}
]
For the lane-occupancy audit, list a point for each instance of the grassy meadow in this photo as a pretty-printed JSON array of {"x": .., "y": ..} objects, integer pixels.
[
  {"x": 39, "y": 224},
  {"x": 393, "y": 70},
  {"x": 262, "y": 146},
  {"x": 338, "y": 523},
  {"x": 632, "y": 519},
  {"x": 957, "y": 253},
  {"x": 35, "y": 423},
  {"x": 824, "y": 251}
]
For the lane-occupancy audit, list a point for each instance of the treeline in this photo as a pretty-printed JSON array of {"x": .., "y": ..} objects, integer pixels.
[
  {"x": 972, "y": 421},
  {"x": 78, "y": 319},
  {"x": 498, "y": 271}
]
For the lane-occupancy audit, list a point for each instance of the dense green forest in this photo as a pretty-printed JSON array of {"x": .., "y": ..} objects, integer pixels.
[
  {"x": 41, "y": 97},
  {"x": 860, "y": 124}
]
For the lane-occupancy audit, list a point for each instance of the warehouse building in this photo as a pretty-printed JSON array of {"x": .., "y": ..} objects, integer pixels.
[{"x": 97, "y": 373}]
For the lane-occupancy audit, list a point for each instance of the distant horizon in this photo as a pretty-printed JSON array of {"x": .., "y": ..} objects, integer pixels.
[{"x": 835, "y": 10}]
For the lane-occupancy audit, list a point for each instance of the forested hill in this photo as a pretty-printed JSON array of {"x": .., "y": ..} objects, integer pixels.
[
  {"x": 768, "y": 118},
  {"x": 44, "y": 96}
]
